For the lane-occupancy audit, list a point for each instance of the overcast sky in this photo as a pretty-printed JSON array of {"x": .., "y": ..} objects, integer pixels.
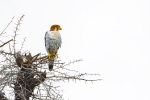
[{"x": 111, "y": 36}]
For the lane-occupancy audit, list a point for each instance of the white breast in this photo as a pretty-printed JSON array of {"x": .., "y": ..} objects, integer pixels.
[{"x": 54, "y": 34}]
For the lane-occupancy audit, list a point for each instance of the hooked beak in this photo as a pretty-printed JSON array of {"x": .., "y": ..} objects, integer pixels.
[{"x": 60, "y": 28}]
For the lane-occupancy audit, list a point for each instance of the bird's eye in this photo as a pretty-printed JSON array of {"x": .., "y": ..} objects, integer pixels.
[{"x": 58, "y": 27}]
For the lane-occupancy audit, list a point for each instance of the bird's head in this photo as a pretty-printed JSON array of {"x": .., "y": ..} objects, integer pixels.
[{"x": 55, "y": 28}]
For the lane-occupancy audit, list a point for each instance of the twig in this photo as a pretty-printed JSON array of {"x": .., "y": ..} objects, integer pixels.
[
  {"x": 7, "y": 26},
  {"x": 7, "y": 53},
  {"x": 22, "y": 43},
  {"x": 15, "y": 32},
  {"x": 5, "y": 43}
]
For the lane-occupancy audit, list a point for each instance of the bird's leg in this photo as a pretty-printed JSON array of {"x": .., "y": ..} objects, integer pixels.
[
  {"x": 55, "y": 55},
  {"x": 48, "y": 55}
]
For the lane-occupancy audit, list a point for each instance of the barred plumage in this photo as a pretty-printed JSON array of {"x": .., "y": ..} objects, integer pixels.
[{"x": 52, "y": 43}]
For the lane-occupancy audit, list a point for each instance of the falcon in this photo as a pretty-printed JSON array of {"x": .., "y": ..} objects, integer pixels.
[{"x": 52, "y": 44}]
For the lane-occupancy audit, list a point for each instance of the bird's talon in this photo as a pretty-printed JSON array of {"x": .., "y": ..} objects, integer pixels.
[
  {"x": 48, "y": 55},
  {"x": 56, "y": 56}
]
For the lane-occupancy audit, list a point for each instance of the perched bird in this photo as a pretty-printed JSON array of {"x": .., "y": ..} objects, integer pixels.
[{"x": 52, "y": 43}]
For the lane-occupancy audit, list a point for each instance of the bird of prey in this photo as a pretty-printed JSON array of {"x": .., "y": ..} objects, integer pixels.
[{"x": 52, "y": 43}]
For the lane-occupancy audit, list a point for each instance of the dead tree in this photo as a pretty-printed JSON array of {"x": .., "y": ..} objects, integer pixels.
[
  {"x": 26, "y": 80},
  {"x": 25, "y": 73}
]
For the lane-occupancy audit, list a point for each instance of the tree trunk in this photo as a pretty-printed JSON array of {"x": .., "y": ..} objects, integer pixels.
[{"x": 26, "y": 81}]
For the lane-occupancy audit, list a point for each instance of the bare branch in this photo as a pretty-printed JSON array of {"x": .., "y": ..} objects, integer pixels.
[
  {"x": 22, "y": 43},
  {"x": 6, "y": 53},
  {"x": 2, "y": 96},
  {"x": 15, "y": 32},
  {"x": 5, "y": 43},
  {"x": 7, "y": 26}
]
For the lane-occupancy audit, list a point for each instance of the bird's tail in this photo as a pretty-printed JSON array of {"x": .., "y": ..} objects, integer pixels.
[{"x": 51, "y": 62}]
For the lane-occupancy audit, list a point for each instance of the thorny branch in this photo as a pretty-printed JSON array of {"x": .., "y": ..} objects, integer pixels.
[
  {"x": 29, "y": 75},
  {"x": 15, "y": 32}
]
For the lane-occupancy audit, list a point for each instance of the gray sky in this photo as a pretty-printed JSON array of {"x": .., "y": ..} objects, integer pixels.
[{"x": 111, "y": 36}]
